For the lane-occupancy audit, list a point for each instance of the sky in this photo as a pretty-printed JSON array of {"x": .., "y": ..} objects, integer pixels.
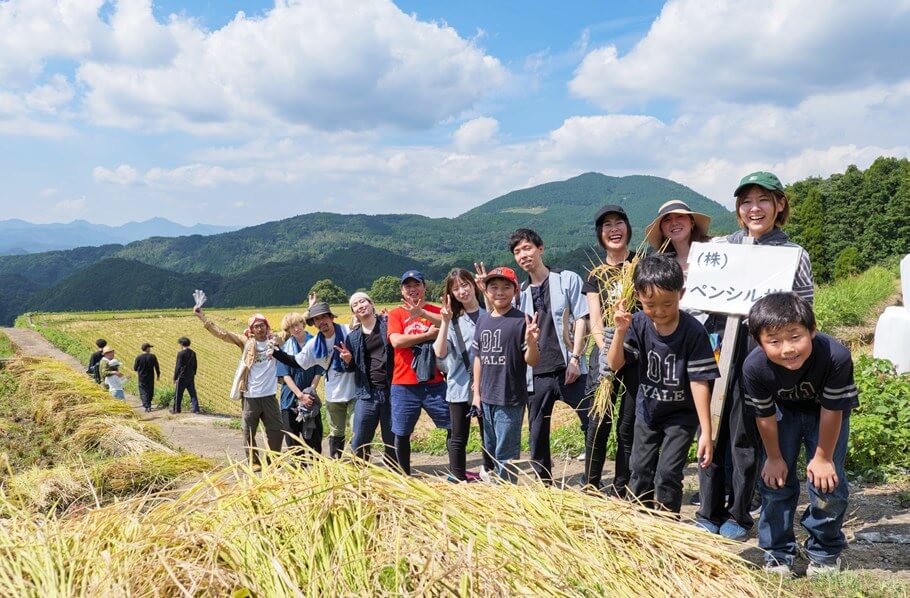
[{"x": 240, "y": 112}]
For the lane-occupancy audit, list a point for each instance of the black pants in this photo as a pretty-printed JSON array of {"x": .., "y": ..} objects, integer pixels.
[
  {"x": 190, "y": 387},
  {"x": 458, "y": 441},
  {"x": 659, "y": 456},
  {"x": 599, "y": 429},
  {"x": 737, "y": 441},
  {"x": 146, "y": 391},
  {"x": 547, "y": 389},
  {"x": 293, "y": 432}
]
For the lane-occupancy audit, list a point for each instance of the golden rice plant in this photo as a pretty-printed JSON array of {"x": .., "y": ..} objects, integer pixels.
[
  {"x": 618, "y": 280},
  {"x": 338, "y": 529}
]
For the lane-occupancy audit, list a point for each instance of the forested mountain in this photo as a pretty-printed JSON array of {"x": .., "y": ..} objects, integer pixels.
[
  {"x": 277, "y": 262},
  {"x": 852, "y": 220}
]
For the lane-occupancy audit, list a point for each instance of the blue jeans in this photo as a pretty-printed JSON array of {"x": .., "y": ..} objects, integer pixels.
[
  {"x": 502, "y": 433},
  {"x": 369, "y": 413},
  {"x": 824, "y": 516},
  {"x": 407, "y": 400}
]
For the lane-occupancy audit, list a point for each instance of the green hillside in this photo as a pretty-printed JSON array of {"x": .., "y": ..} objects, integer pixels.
[{"x": 277, "y": 262}]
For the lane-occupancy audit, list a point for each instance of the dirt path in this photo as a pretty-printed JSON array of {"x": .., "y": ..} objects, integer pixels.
[{"x": 876, "y": 512}]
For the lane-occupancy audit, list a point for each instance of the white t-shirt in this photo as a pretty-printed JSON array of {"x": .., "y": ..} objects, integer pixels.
[
  {"x": 262, "y": 381},
  {"x": 114, "y": 382},
  {"x": 340, "y": 387}
]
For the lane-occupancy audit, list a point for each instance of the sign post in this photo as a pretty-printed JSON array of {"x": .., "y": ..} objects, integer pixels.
[{"x": 727, "y": 278}]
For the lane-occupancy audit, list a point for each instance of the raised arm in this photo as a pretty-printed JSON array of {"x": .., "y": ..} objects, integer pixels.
[{"x": 218, "y": 332}]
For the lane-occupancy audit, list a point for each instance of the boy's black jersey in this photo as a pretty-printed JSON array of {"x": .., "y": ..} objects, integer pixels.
[{"x": 824, "y": 380}]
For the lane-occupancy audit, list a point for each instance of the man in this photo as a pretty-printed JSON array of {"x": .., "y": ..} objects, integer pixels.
[
  {"x": 255, "y": 383},
  {"x": 185, "y": 376},
  {"x": 561, "y": 307},
  {"x": 147, "y": 370},
  {"x": 416, "y": 381},
  {"x": 95, "y": 359},
  {"x": 327, "y": 350},
  {"x": 104, "y": 366}
]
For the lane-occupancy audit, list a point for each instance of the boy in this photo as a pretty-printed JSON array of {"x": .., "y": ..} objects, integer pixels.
[
  {"x": 800, "y": 383},
  {"x": 505, "y": 344},
  {"x": 675, "y": 365}
]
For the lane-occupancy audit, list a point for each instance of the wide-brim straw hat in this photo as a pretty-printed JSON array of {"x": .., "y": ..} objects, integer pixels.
[{"x": 656, "y": 238}]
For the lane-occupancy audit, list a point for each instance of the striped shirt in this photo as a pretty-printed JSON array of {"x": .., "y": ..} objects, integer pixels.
[{"x": 824, "y": 380}]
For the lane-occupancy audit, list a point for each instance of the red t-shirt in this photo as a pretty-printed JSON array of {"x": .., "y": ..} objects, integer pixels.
[{"x": 401, "y": 322}]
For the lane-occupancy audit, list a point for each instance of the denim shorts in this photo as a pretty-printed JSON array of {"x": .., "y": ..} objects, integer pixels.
[{"x": 407, "y": 400}]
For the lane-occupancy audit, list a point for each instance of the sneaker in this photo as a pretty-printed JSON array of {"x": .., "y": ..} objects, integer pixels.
[
  {"x": 817, "y": 569},
  {"x": 733, "y": 531},
  {"x": 755, "y": 507},
  {"x": 471, "y": 477},
  {"x": 695, "y": 500},
  {"x": 708, "y": 526},
  {"x": 582, "y": 456},
  {"x": 486, "y": 475},
  {"x": 782, "y": 569}
]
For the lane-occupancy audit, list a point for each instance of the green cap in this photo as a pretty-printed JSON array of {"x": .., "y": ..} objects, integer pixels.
[{"x": 768, "y": 180}]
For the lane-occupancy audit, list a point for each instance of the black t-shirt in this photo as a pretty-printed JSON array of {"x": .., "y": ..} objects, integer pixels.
[
  {"x": 146, "y": 366},
  {"x": 374, "y": 352},
  {"x": 824, "y": 380},
  {"x": 666, "y": 365},
  {"x": 551, "y": 357},
  {"x": 499, "y": 342}
]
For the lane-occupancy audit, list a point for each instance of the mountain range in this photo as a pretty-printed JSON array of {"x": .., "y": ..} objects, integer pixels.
[
  {"x": 276, "y": 263},
  {"x": 18, "y": 237}
]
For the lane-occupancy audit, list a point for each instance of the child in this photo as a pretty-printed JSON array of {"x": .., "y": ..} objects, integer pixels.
[
  {"x": 761, "y": 208},
  {"x": 505, "y": 344},
  {"x": 114, "y": 380},
  {"x": 800, "y": 384},
  {"x": 675, "y": 364}
]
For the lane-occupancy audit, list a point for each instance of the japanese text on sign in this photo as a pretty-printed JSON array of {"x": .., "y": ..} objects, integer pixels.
[{"x": 728, "y": 278}]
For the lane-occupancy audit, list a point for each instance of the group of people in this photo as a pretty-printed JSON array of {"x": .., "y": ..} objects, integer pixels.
[
  {"x": 104, "y": 368},
  {"x": 499, "y": 349}
]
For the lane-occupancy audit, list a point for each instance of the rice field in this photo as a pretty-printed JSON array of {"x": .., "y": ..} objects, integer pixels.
[{"x": 76, "y": 332}]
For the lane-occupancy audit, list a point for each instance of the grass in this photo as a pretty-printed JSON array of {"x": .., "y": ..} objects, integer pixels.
[
  {"x": 847, "y": 584},
  {"x": 564, "y": 440},
  {"x": 853, "y": 301},
  {"x": 6, "y": 346}
]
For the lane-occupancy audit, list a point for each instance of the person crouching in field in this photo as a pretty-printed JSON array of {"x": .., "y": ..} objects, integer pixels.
[
  {"x": 370, "y": 359},
  {"x": 294, "y": 382},
  {"x": 255, "y": 383},
  {"x": 800, "y": 384},
  {"x": 675, "y": 365},
  {"x": 505, "y": 344}
]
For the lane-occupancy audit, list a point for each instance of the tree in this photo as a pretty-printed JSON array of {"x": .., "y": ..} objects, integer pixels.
[
  {"x": 385, "y": 289},
  {"x": 807, "y": 228},
  {"x": 847, "y": 263},
  {"x": 328, "y": 291}
]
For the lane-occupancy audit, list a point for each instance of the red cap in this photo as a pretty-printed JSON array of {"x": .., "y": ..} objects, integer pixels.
[{"x": 503, "y": 272}]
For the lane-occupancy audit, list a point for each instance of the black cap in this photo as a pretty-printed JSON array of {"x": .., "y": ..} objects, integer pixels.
[
  {"x": 609, "y": 209},
  {"x": 146, "y": 347}
]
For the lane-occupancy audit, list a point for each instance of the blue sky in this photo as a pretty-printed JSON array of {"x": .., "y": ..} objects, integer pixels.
[{"x": 126, "y": 110}]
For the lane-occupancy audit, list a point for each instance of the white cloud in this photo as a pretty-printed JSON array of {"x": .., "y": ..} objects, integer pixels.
[
  {"x": 49, "y": 98},
  {"x": 780, "y": 51},
  {"x": 122, "y": 175},
  {"x": 49, "y": 192},
  {"x": 70, "y": 206},
  {"x": 475, "y": 133}
]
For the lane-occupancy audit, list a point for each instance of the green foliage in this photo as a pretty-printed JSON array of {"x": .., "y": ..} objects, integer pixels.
[
  {"x": 326, "y": 290},
  {"x": 164, "y": 396},
  {"x": 385, "y": 289},
  {"x": 852, "y": 301},
  {"x": 867, "y": 210},
  {"x": 880, "y": 427},
  {"x": 847, "y": 263},
  {"x": 6, "y": 347}
]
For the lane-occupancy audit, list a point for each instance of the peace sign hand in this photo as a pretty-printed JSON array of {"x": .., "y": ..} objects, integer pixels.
[
  {"x": 481, "y": 274},
  {"x": 312, "y": 299},
  {"x": 415, "y": 311},
  {"x": 532, "y": 330},
  {"x": 344, "y": 353},
  {"x": 621, "y": 317},
  {"x": 445, "y": 312}
]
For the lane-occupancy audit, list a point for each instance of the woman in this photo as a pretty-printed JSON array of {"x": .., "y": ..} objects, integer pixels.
[
  {"x": 675, "y": 229},
  {"x": 452, "y": 346},
  {"x": 294, "y": 381},
  {"x": 613, "y": 231}
]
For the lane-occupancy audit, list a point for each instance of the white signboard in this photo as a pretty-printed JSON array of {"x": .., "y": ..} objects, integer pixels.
[{"x": 727, "y": 278}]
